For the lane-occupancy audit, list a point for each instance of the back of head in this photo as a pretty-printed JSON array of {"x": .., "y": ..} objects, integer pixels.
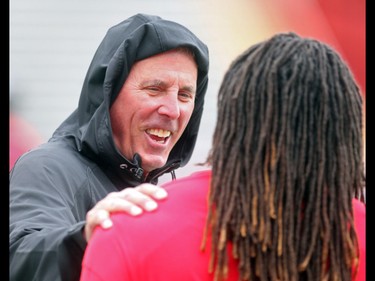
[{"x": 287, "y": 160}]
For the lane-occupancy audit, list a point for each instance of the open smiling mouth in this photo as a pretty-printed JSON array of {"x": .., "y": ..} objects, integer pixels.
[{"x": 159, "y": 135}]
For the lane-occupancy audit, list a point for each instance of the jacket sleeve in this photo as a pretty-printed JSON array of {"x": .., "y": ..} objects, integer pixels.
[{"x": 47, "y": 216}]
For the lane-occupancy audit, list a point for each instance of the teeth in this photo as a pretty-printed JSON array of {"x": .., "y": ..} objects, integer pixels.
[{"x": 159, "y": 132}]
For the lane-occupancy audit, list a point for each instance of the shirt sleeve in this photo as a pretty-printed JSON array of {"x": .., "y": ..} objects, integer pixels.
[{"x": 103, "y": 259}]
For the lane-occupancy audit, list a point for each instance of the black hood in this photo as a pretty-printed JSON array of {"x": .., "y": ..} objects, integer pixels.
[{"x": 136, "y": 38}]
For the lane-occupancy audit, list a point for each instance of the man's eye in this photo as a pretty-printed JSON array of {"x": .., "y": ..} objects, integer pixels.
[
  {"x": 154, "y": 89},
  {"x": 185, "y": 96}
]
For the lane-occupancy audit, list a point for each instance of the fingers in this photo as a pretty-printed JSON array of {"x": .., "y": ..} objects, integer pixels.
[
  {"x": 94, "y": 217},
  {"x": 143, "y": 196},
  {"x": 100, "y": 214},
  {"x": 154, "y": 191},
  {"x": 130, "y": 200}
]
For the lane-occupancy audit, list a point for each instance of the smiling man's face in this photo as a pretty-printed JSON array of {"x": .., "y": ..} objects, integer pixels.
[{"x": 154, "y": 107}]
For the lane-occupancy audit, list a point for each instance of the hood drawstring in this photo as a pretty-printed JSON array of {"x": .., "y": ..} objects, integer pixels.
[{"x": 136, "y": 170}]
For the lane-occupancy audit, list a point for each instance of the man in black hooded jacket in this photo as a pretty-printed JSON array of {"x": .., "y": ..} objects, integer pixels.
[{"x": 60, "y": 191}]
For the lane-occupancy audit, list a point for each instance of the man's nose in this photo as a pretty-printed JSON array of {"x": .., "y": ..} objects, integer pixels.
[{"x": 170, "y": 106}]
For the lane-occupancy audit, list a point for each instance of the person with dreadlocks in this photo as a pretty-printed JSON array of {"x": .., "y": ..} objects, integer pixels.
[{"x": 284, "y": 196}]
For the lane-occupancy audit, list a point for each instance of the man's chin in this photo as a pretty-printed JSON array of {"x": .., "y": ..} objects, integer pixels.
[{"x": 152, "y": 163}]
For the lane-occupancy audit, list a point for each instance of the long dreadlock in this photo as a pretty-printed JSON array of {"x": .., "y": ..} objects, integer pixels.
[{"x": 287, "y": 160}]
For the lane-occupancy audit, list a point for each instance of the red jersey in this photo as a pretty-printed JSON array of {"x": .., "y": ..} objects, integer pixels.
[{"x": 162, "y": 245}]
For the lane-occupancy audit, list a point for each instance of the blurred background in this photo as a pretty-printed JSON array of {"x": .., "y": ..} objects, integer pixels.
[{"x": 52, "y": 43}]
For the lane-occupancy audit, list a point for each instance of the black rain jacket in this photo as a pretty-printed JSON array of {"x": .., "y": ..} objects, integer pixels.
[{"x": 53, "y": 186}]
